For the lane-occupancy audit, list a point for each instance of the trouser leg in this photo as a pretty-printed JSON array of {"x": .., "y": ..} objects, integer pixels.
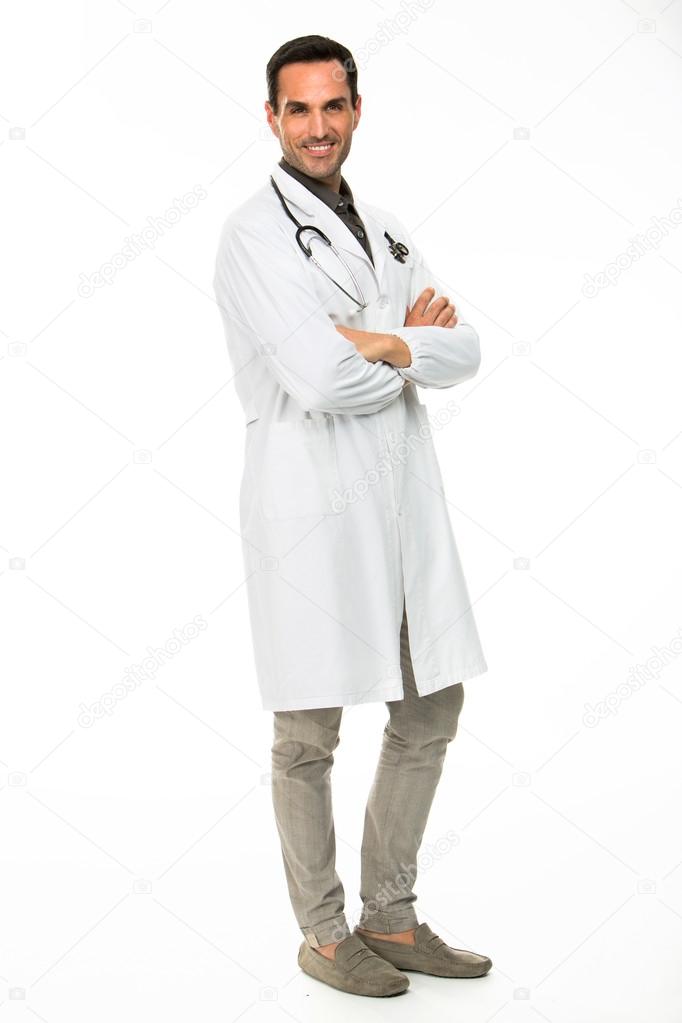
[
  {"x": 413, "y": 751},
  {"x": 302, "y": 757}
]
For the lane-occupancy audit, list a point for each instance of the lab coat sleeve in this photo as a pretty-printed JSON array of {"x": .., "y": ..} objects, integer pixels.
[
  {"x": 262, "y": 288},
  {"x": 441, "y": 356}
]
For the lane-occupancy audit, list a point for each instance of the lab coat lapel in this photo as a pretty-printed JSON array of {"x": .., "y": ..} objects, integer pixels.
[
  {"x": 310, "y": 210},
  {"x": 375, "y": 233}
]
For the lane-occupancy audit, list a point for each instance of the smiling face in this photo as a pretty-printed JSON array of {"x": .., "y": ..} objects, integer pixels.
[{"x": 315, "y": 118}]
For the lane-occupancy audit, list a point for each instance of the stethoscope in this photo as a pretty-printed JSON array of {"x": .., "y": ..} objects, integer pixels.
[{"x": 397, "y": 250}]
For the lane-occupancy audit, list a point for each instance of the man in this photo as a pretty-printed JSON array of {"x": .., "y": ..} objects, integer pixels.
[{"x": 331, "y": 323}]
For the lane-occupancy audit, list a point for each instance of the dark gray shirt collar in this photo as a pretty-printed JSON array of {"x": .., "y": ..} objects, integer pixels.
[
  {"x": 335, "y": 200},
  {"x": 340, "y": 202}
]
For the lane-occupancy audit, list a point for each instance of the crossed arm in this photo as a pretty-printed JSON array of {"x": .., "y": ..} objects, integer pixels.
[
  {"x": 432, "y": 348},
  {"x": 327, "y": 368},
  {"x": 427, "y": 311}
]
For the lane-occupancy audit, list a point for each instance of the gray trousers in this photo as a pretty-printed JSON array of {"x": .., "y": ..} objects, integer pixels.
[{"x": 413, "y": 750}]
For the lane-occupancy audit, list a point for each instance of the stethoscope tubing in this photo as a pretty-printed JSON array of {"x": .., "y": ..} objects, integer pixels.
[
  {"x": 362, "y": 304},
  {"x": 397, "y": 250},
  {"x": 308, "y": 253}
]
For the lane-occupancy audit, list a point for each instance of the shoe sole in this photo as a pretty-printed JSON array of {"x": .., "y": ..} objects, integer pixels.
[{"x": 452, "y": 976}]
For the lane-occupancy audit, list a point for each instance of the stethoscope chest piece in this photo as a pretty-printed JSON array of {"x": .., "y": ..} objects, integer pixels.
[{"x": 397, "y": 249}]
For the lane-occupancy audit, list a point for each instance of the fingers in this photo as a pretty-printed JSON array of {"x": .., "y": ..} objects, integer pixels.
[
  {"x": 423, "y": 300},
  {"x": 446, "y": 317},
  {"x": 436, "y": 310},
  {"x": 441, "y": 312},
  {"x": 430, "y": 311}
]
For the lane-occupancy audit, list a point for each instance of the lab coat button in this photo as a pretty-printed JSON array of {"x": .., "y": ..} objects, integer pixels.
[{"x": 382, "y": 301}]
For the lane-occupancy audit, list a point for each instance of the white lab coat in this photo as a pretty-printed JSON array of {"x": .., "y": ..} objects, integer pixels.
[{"x": 341, "y": 502}]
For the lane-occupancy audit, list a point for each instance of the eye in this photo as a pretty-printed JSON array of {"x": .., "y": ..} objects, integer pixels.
[{"x": 334, "y": 106}]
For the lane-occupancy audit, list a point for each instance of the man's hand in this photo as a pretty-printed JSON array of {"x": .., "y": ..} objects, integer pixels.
[
  {"x": 426, "y": 312},
  {"x": 439, "y": 313},
  {"x": 375, "y": 346}
]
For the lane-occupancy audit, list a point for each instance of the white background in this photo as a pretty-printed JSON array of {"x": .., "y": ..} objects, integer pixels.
[{"x": 525, "y": 145}]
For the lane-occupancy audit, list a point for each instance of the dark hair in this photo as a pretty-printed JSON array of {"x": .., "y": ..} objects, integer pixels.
[{"x": 307, "y": 49}]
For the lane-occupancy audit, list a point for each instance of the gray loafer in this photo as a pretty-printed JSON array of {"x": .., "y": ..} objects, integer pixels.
[
  {"x": 356, "y": 969},
  {"x": 429, "y": 954}
]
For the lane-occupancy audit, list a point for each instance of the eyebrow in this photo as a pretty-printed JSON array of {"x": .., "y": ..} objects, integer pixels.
[{"x": 300, "y": 103}]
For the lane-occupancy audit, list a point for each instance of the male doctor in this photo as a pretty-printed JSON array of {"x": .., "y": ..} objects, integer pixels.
[{"x": 332, "y": 323}]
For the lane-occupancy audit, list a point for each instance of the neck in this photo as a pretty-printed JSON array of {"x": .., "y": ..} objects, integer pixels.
[{"x": 333, "y": 182}]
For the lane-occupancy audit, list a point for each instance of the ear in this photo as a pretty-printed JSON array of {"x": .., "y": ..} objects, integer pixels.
[{"x": 270, "y": 115}]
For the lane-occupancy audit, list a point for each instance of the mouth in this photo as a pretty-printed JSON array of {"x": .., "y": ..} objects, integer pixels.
[{"x": 320, "y": 149}]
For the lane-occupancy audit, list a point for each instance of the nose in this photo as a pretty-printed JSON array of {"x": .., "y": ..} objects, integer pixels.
[{"x": 317, "y": 124}]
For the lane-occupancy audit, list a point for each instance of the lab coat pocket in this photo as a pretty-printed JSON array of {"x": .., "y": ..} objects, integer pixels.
[{"x": 299, "y": 474}]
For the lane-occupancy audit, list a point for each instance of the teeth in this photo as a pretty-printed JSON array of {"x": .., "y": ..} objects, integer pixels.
[{"x": 327, "y": 146}]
